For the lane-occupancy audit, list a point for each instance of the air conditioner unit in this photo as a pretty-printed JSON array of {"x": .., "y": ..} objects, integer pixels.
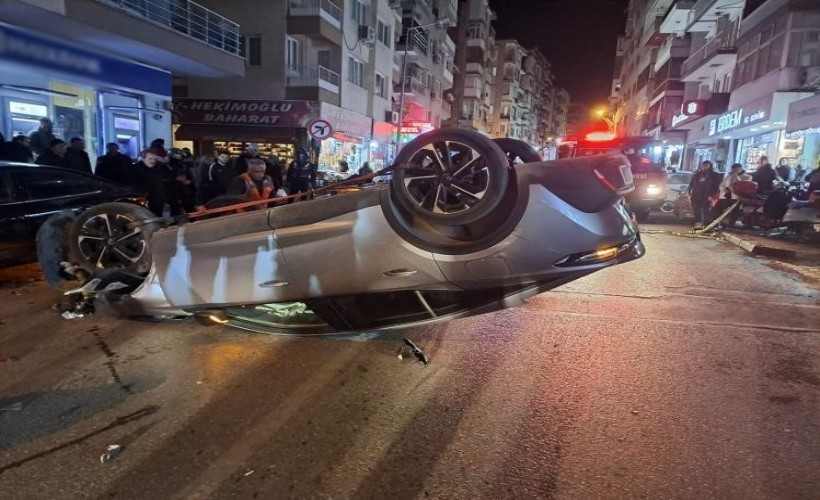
[
  {"x": 394, "y": 4},
  {"x": 437, "y": 57},
  {"x": 367, "y": 34},
  {"x": 391, "y": 116}
]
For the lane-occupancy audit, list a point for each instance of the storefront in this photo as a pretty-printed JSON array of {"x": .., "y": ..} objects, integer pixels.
[
  {"x": 350, "y": 140},
  {"x": 803, "y": 132},
  {"x": 757, "y": 129},
  {"x": 411, "y": 130},
  {"x": 88, "y": 95},
  {"x": 273, "y": 128},
  {"x": 701, "y": 146},
  {"x": 382, "y": 145}
]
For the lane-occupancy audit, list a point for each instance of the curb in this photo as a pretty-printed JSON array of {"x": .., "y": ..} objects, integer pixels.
[{"x": 758, "y": 249}]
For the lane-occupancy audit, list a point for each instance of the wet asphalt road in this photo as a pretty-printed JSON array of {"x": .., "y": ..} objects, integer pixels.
[{"x": 693, "y": 373}]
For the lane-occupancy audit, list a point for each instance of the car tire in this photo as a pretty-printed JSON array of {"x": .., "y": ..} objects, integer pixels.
[
  {"x": 517, "y": 150},
  {"x": 425, "y": 170},
  {"x": 53, "y": 238},
  {"x": 112, "y": 235},
  {"x": 642, "y": 215}
]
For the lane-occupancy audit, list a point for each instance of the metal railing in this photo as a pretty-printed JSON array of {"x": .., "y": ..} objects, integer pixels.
[
  {"x": 323, "y": 8},
  {"x": 415, "y": 85},
  {"x": 314, "y": 76},
  {"x": 187, "y": 18},
  {"x": 723, "y": 42},
  {"x": 417, "y": 40}
]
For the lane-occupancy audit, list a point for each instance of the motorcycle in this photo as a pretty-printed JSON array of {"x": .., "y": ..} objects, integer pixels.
[
  {"x": 683, "y": 205},
  {"x": 803, "y": 217},
  {"x": 762, "y": 211}
]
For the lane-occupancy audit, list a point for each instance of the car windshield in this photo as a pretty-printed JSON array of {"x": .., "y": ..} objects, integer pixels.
[
  {"x": 642, "y": 165},
  {"x": 679, "y": 178}
]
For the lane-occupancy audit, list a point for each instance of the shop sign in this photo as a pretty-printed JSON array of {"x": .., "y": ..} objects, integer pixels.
[
  {"x": 51, "y": 55},
  {"x": 295, "y": 114},
  {"x": 346, "y": 121},
  {"x": 694, "y": 108},
  {"x": 734, "y": 119},
  {"x": 416, "y": 128},
  {"x": 804, "y": 115},
  {"x": 678, "y": 119}
]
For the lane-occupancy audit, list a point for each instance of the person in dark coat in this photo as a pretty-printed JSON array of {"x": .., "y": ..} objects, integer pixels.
[
  {"x": 183, "y": 188},
  {"x": 17, "y": 150},
  {"x": 114, "y": 165},
  {"x": 704, "y": 188},
  {"x": 53, "y": 155},
  {"x": 241, "y": 163},
  {"x": 42, "y": 137},
  {"x": 301, "y": 176},
  {"x": 75, "y": 156},
  {"x": 273, "y": 169},
  {"x": 155, "y": 178},
  {"x": 215, "y": 179},
  {"x": 764, "y": 176}
]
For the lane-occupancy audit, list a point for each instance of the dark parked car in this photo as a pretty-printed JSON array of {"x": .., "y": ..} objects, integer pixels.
[{"x": 29, "y": 194}]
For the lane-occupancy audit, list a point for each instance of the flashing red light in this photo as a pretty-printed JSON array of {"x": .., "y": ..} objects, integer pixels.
[
  {"x": 600, "y": 136},
  {"x": 644, "y": 160}
]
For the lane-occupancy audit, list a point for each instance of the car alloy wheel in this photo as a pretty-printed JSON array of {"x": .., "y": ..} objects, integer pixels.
[
  {"x": 450, "y": 176},
  {"x": 111, "y": 240}
]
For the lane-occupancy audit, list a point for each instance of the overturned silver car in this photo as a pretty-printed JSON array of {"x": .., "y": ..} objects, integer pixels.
[{"x": 466, "y": 225}]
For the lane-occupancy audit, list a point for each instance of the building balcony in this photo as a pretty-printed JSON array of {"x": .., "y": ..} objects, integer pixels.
[
  {"x": 179, "y": 35},
  {"x": 186, "y": 17},
  {"x": 474, "y": 69},
  {"x": 673, "y": 47},
  {"x": 676, "y": 19},
  {"x": 414, "y": 86},
  {"x": 316, "y": 18},
  {"x": 653, "y": 36},
  {"x": 719, "y": 52},
  {"x": 312, "y": 83},
  {"x": 706, "y": 12},
  {"x": 416, "y": 44}
]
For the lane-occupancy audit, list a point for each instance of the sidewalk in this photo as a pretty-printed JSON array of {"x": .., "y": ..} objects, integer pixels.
[{"x": 757, "y": 243}]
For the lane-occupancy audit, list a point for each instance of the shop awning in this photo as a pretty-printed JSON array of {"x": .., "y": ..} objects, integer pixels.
[{"x": 235, "y": 133}]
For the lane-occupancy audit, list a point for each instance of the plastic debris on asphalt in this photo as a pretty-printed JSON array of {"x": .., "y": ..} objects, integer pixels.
[
  {"x": 113, "y": 451},
  {"x": 410, "y": 349},
  {"x": 10, "y": 359}
]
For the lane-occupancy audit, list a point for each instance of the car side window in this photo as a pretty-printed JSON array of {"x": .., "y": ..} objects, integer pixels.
[
  {"x": 5, "y": 185},
  {"x": 40, "y": 183}
]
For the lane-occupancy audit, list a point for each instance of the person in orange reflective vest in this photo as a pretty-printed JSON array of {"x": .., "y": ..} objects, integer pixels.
[{"x": 253, "y": 184}]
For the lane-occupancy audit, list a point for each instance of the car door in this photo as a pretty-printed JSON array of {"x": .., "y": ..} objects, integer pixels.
[{"x": 38, "y": 192}]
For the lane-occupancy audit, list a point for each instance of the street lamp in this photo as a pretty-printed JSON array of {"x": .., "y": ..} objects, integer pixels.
[
  {"x": 603, "y": 114},
  {"x": 437, "y": 24}
]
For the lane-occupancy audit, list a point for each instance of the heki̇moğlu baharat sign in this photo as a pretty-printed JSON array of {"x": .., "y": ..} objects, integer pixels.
[{"x": 246, "y": 112}]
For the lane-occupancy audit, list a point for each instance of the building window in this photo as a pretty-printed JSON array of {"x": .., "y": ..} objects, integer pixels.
[
  {"x": 253, "y": 56},
  {"x": 804, "y": 49},
  {"x": 293, "y": 59},
  {"x": 355, "y": 71},
  {"x": 384, "y": 35},
  {"x": 474, "y": 31},
  {"x": 359, "y": 12},
  {"x": 502, "y": 128},
  {"x": 381, "y": 85}
]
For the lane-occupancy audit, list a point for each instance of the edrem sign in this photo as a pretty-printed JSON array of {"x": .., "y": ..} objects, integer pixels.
[
  {"x": 734, "y": 119},
  {"x": 245, "y": 112}
]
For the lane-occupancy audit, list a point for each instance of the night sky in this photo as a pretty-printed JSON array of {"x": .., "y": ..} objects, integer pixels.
[{"x": 577, "y": 36}]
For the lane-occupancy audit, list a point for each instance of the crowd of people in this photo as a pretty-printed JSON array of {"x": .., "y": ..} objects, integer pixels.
[
  {"x": 173, "y": 180},
  {"x": 708, "y": 187}
]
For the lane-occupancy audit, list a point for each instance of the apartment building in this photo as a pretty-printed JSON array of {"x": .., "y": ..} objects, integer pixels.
[
  {"x": 509, "y": 99},
  {"x": 473, "y": 84},
  {"x": 424, "y": 64},
  {"x": 102, "y": 69},
  {"x": 723, "y": 79}
]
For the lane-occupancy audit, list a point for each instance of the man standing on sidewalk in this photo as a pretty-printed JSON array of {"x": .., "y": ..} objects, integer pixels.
[{"x": 704, "y": 187}]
